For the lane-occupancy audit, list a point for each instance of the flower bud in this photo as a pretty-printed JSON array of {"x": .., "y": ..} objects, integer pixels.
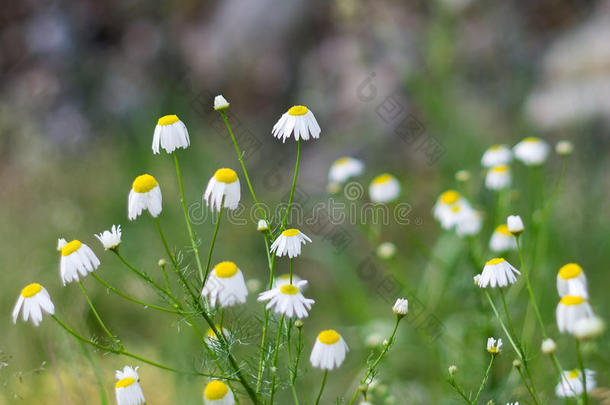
[
  {"x": 548, "y": 346},
  {"x": 452, "y": 369},
  {"x": 564, "y": 148},
  {"x": 220, "y": 103},
  {"x": 162, "y": 262},
  {"x": 401, "y": 307},
  {"x": 517, "y": 363},
  {"x": 514, "y": 224},
  {"x": 262, "y": 225},
  {"x": 298, "y": 324},
  {"x": 462, "y": 176},
  {"x": 386, "y": 250}
]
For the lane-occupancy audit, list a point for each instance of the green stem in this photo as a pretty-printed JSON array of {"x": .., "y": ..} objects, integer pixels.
[
  {"x": 261, "y": 361},
  {"x": 167, "y": 287},
  {"x": 529, "y": 289},
  {"x": 508, "y": 319},
  {"x": 139, "y": 273},
  {"x": 134, "y": 300},
  {"x": 491, "y": 362},
  {"x": 294, "y": 183},
  {"x": 527, "y": 386},
  {"x": 293, "y": 378},
  {"x": 459, "y": 390},
  {"x": 322, "y": 386},
  {"x": 275, "y": 356},
  {"x": 186, "y": 218},
  {"x": 96, "y": 372},
  {"x": 97, "y": 316},
  {"x": 290, "y": 271},
  {"x": 581, "y": 365},
  {"x": 204, "y": 277}
]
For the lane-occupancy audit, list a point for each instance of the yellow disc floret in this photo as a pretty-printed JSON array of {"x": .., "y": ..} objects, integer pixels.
[
  {"x": 570, "y": 270},
  {"x": 382, "y": 178},
  {"x": 215, "y": 390},
  {"x": 342, "y": 161},
  {"x": 531, "y": 139},
  {"x": 291, "y": 232},
  {"x": 225, "y": 269},
  {"x": 298, "y": 110},
  {"x": 572, "y": 300},
  {"x": 226, "y": 176},
  {"x": 289, "y": 289},
  {"x": 449, "y": 197},
  {"x": 168, "y": 120},
  {"x": 125, "y": 382},
  {"x": 71, "y": 248},
  {"x": 329, "y": 337},
  {"x": 500, "y": 169},
  {"x": 494, "y": 261},
  {"x": 503, "y": 229},
  {"x": 144, "y": 183},
  {"x": 573, "y": 373},
  {"x": 31, "y": 290}
]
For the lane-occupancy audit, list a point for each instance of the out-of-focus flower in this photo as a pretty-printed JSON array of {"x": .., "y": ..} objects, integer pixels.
[
  {"x": 514, "y": 224},
  {"x": 462, "y": 176},
  {"x": 497, "y": 155},
  {"x": 386, "y": 250},
  {"x": 262, "y": 225},
  {"x": 531, "y": 151},
  {"x": 502, "y": 240},
  {"x": 571, "y": 280},
  {"x": 343, "y": 169},
  {"x": 571, "y": 383},
  {"x": 589, "y": 328},
  {"x": 564, "y": 148},
  {"x": 384, "y": 188},
  {"x": 570, "y": 310},
  {"x": 548, "y": 346},
  {"x": 498, "y": 178}
]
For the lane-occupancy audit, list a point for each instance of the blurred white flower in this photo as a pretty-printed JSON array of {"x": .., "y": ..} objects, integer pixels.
[
  {"x": 548, "y": 346},
  {"x": 494, "y": 346},
  {"x": 498, "y": 177},
  {"x": 386, "y": 250},
  {"x": 570, "y": 310},
  {"x": 571, "y": 383},
  {"x": 343, "y": 169},
  {"x": 384, "y": 188},
  {"x": 514, "y": 224},
  {"x": 497, "y": 155},
  {"x": 564, "y": 148},
  {"x": 502, "y": 240},
  {"x": 531, "y": 151},
  {"x": 571, "y": 280},
  {"x": 262, "y": 225},
  {"x": 588, "y": 328}
]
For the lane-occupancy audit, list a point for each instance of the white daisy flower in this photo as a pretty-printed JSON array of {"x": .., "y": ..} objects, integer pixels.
[
  {"x": 548, "y": 346},
  {"x": 329, "y": 350},
  {"x": 571, "y": 384},
  {"x": 77, "y": 259},
  {"x": 497, "y": 155},
  {"x": 34, "y": 299},
  {"x": 226, "y": 284},
  {"x": 571, "y": 280},
  {"x": 401, "y": 307},
  {"x": 514, "y": 224},
  {"x": 343, "y": 169},
  {"x": 289, "y": 243},
  {"x": 445, "y": 210},
  {"x": 468, "y": 221},
  {"x": 218, "y": 393},
  {"x": 502, "y": 240},
  {"x": 284, "y": 279},
  {"x": 220, "y": 103},
  {"x": 494, "y": 346},
  {"x": 210, "y": 336},
  {"x": 384, "y": 188},
  {"x": 497, "y": 272},
  {"x": 145, "y": 194},
  {"x": 170, "y": 134},
  {"x": 588, "y": 328},
  {"x": 498, "y": 178},
  {"x": 224, "y": 183},
  {"x": 531, "y": 151},
  {"x": 127, "y": 388},
  {"x": 298, "y": 120},
  {"x": 570, "y": 310},
  {"x": 110, "y": 239},
  {"x": 288, "y": 300}
]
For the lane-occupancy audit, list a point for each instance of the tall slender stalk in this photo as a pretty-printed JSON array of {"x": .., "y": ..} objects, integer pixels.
[
  {"x": 581, "y": 365},
  {"x": 322, "y": 385},
  {"x": 485, "y": 377},
  {"x": 294, "y": 183},
  {"x": 275, "y": 356},
  {"x": 529, "y": 288},
  {"x": 204, "y": 277},
  {"x": 97, "y": 316}
]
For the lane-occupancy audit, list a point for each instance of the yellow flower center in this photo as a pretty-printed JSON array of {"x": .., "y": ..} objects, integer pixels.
[
  {"x": 225, "y": 269},
  {"x": 382, "y": 178},
  {"x": 210, "y": 333},
  {"x": 216, "y": 390},
  {"x": 125, "y": 382},
  {"x": 328, "y": 337},
  {"x": 503, "y": 229},
  {"x": 289, "y": 289},
  {"x": 572, "y": 300},
  {"x": 342, "y": 161},
  {"x": 500, "y": 169},
  {"x": 531, "y": 139},
  {"x": 291, "y": 232},
  {"x": 298, "y": 110},
  {"x": 494, "y": 349},
  {"x": 168, "y": 120},
  {"x": 456, "y": 208},
  {"x": 71, "y": 248},
  {"x": 144, "y": 183},
  {"x": 573, "y": 374},
  {"x": 494, "y": 261},
  {"x": 227, "y": 176},
  {"x": 31, "y": 290},
  {"x": 570, "y": 270},
  {"x": 449, "y": 197},
  {"x": 495, "y": 147}
]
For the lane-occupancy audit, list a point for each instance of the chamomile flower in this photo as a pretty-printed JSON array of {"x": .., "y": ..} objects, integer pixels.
[
  {"x": 34, "y": 299},
  {"x": 288, "y": 300},
  {"x": 588, "y": 328},
  {"x": 468, "y": 221},
  {"x": 570, "y": 310},
  {"x": 571, "y": 383},
  {"x": 298, "y": 120},
  {"x": 289, "y": 243},
  {"x": 329, "y": 350},
  {"x": 531, "y": 151},
  {"x": 497, "y": 273},
  {"x": 77, "y": 259},
  {"x": 218, "y": 393},
  {"x": 284, "y": 279},
  {"x": 494, "y": 346},
  {"x": 210, "y": 336},
  {"x": 571, "y": 280},
  {"x": 343, "y": 169},
  {"x": 225, "y": 284},
  {"x": 145, "y": 194},
  {"x": 448, "y": 207},
  {"x": 127, "y": 389},
  {"x": 502, "y": 240},
  {"x": 498, "y": 177},
  {"x": 110, "y": 239},
  {"x": 170, "y": 134},
  {"x": 384, "y": 188},
  {"x": 225, "y": 184},
  {"x": 497, "y": 155}
]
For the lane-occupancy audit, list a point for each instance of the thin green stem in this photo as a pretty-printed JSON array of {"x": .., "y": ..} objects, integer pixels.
[
  {"x": 204, "y": 277},
  {"x": 139, "y": 273},
  {"x": 275, "y": 356},
  {"x": 261, "y": 362},
  {"x": 290, "y": 271},
  {"x": 167, "y": 287},
  {"x": 294, "y": 183},
  {"x": 97, "y": 316},
  {"x": 508, "y": 319},
  {"x": 134, "y": 300},
  {"x": 529, "y": 289},
  {"x": 322, "y": 386},
  {"x": 186, "y": 218},
  {"x": 96, "y": 372},
  {"x": 527, "y": 386},
  {"x": 295, "y": 371},
  {"x": 459, "y": 390},
  {"x": 485, "y": 377},
  {"x": 581, "y": 365}
]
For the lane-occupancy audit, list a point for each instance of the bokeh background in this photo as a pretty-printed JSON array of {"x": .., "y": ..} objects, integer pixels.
[{"x": 83, "y": 84}]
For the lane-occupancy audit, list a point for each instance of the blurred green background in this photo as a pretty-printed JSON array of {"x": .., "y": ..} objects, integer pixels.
[{"x": 83, "y": 84}]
